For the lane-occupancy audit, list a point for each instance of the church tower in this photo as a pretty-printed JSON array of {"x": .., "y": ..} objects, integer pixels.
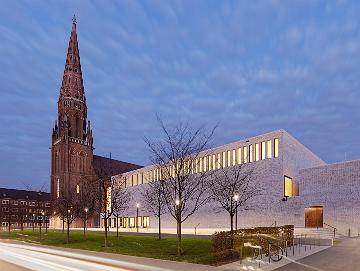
[{"x": 72, "y": 142}]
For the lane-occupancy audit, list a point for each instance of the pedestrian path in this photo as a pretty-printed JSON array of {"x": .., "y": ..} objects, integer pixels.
[
  {"x": 343, "y": 256},
  {"x": 263, "y": 264}
]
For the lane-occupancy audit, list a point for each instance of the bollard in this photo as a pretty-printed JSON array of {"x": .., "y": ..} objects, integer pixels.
[
  {"x": 286, "y": 247},
  {"x": 293, "y": 247},
  {"x": 269, "y": 251},
  {"x": 240, "y": 255}
]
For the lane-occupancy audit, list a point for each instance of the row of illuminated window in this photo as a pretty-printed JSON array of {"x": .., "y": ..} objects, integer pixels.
[
  {"x": 241, "y": 155},
  {"x": 25, "y": 217},
  {"x": 24, "y": 224},
  {"x": 24, "y": 203},
  {"x": 127, "y": 222},
  {"x": 22, "y": 210}
]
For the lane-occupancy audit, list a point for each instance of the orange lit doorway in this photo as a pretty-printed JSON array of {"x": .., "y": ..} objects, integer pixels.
[{"x": 314, "y": 217}]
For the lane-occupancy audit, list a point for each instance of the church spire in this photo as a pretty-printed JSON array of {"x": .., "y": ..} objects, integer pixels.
[
  {"x": 72, "y": 109},
  {"x": 72, "y": 83}
]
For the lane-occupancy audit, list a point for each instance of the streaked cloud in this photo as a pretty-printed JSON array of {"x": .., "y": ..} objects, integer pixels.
[{"x": 252, "y": 66}]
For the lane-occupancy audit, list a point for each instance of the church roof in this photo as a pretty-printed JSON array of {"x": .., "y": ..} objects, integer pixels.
[
  {"x": 110, "y": 167},
  {"x": 24, "y": 194}
]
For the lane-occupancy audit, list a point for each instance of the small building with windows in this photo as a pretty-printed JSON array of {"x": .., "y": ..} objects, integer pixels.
[{"x": 24, "y": 209}]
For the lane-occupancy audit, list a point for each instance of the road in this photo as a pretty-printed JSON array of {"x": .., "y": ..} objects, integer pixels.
[
  {"x": 20, "y": 257},
  {"x": 344, "y": 256}
]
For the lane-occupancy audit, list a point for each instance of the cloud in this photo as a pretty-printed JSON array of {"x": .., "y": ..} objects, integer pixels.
[{"x": 251, "y": 67}]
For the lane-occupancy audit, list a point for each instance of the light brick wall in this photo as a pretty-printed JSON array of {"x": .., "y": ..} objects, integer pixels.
[
  {"x": 336, "y": 187},
  {"x": 263, "y": 210}
]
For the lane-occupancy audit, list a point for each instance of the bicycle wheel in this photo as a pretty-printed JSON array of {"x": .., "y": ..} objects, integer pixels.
[{"x": 276, "y": 254}]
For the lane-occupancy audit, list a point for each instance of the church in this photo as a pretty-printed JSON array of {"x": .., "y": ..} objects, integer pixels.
[
  {"x": 72, "y": 148},
  {"x": 300, "y": 188}
]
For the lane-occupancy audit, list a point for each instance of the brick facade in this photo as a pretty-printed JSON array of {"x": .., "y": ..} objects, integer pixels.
[{"x": 24, "y": 209}]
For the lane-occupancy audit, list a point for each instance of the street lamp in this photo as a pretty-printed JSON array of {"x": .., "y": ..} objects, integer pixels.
[
  {"x": 137, "y": 216},
  {"x": 236, "y": 198},
  {"x": 42, "y": 217},
  {"x": 33, "y": 222},
  {"x": 85, "y": 221}
]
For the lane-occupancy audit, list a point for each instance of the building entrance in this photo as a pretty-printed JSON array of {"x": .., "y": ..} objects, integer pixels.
[{"x": 314, "y": 217}]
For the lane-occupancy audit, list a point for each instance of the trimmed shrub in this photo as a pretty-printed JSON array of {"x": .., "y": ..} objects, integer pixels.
[{"x": 227, "y": 246}]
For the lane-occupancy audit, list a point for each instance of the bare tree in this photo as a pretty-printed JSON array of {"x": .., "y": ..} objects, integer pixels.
[
  {"x": 154, "y": 201},
  {"x": 67, "y": 207},
  {"x": 120, "y": 199},
  {"x": 178, "y": 157},
  {"x": 104, "y": 191},
  {"x": 86, "y": 202},
  {"x": 232, "y": 187}
]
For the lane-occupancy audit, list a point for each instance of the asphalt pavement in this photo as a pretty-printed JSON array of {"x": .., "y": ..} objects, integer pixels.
[
  {"x": 16, "y": 256},
  {"x": 344, "y": 256}
]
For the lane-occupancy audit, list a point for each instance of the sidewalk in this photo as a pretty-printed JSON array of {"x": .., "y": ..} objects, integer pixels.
[{"x": 264, "y": 264}]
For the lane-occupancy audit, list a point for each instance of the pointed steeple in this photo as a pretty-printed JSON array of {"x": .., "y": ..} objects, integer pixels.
[{"x": 72, "y": 83}]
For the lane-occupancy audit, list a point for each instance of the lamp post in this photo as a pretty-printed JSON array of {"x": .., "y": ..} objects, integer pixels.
[
  {"x": 137, "y": 216},
  {"x": 42, "y": 217},
  {"x": 85, "y": 221},
  {"x": 236, "y": 198},
  {"x": 33, "y": 224},
  {"x": 46, "y": 222},
  {"x": 177, "y": 205}
]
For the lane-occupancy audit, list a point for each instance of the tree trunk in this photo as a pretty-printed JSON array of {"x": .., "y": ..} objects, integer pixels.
[
  {"x": 179, "y": 250},
  {"x": 106, "y": 229},
  {"x": 117, "y": 227},
  {"x": 231, "y": 223},
  {"x": 68, "y": 232},
  {"x": 84, "y": 225},
  {"x": 63, "y": 224},
  {"x": 159, "y": 226}
]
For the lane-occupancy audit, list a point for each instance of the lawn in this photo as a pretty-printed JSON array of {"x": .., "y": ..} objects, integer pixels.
[{"x": 195, "y": 250}]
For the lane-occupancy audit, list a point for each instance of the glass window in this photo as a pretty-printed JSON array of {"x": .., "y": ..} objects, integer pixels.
[
  {"x": 257, "y": 152},
  {"x": 77, "y": 189},
  {"x": 245, "y": 154},
  {"x": 120, "y": 221},
  {"x": 233, "y": 157},
  {"x": 223, "y": 159},
  {"x": 263, "y": 150},
  {"x": 125, "y": 222},
  {"x": 213, "y": 161},
  {"x": 250, "y": 153},
  {"x": 146, "y": 222},
  {"x": 108, "y": 200},
  {"x": 239, "y": 156},
  {"x": 276, "y": 147},
  {"x": 57, "y": 188},
  {"x": 132, "y": 222},
  {"x": 139, "y": 222},
  {"x": 218, "y": 160},
  {"x": 201, "y": 164},
  {"x": 228, "y": 158},
  {"x": 288, "y": 186},
  {"x": 268, "y": 149}
]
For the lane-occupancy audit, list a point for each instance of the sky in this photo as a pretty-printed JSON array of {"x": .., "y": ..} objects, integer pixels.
[{"x": 249, "y": 66}]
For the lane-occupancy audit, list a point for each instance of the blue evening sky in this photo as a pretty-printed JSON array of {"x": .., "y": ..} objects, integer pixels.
[{"x": 251, "y": 66}]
